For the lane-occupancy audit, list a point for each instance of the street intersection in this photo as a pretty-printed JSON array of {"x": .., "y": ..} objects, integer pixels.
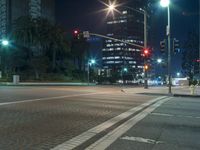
[{"x": 81, "y": 117}]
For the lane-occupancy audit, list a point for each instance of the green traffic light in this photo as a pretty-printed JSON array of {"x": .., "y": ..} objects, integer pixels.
[
  {"x": 125, "y": 70},
  {"x": 93, "y": 61}
]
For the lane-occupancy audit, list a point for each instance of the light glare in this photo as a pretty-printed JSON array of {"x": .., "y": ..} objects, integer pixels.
[
  {"x": 5, "y": 42},
  {"x": 164, "y": 3},
  {"x": 111, "y": 7},
  {"x": 159, "y": 60}
]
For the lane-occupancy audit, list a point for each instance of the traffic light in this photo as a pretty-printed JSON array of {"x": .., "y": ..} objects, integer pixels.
[
  {"x": 76, "y": 33},
  {"x": 146, "y": 67},
  {"x": 125, "y": 69},
  {"x": 176, "y": 45},
  {"x": 198, "y": 60},
  {"x": 146, "y": 53},
  {"x": 163, "y": 45}
]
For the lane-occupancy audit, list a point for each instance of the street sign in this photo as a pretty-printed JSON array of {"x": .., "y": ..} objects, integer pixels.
[
  {"x": 86, "y": 34},
  {"x": 167, "y": 30}
]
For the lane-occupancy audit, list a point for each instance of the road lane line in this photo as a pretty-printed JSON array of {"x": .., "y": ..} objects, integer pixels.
[
  {"x": 141, "y": 140},
  {"x": 50, "y": 98},
  {"x": 162, "y": 114},
  {"x": 174, "y": 115},
  {"x": 112, "y": 136},
  {"x": 80, "y": 139}
]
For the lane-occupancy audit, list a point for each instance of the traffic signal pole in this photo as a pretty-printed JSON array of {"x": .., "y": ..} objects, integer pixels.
[
  {"x": 169, "y": 52},
  {"x": 145, "y": 47}
]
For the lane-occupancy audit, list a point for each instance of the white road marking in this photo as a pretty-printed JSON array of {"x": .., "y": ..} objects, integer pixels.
[
  {"x": 50, "y": 98},
  {"x": 162, "y": 114},
  {"x": 80, "y": 139},
  {"x": 172, "y": 115},
  {"x": 112, "y": 136},
  {"x": 141, "y": 140}
]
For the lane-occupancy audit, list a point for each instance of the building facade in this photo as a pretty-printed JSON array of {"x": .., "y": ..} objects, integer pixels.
[
  {"x": 10, "y": 10},
  {"x": 118, "y": 58}
]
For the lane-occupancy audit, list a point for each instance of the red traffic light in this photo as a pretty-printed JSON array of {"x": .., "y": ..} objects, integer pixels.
[
  {"x": 76, "y": 31},
  {"x": 146, "y": 52}
]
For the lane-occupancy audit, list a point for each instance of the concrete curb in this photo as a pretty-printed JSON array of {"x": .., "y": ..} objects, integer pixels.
[
  {"x": 46, "y": 84},
  {"x": 174, "y": 95},
  {"x": 186, "y": 95}
]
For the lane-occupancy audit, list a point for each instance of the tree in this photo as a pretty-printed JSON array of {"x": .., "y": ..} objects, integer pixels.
[
  {"x": 44, "y": 41},
  {"x": 191, "y": 54},
  {"x": 80, "y": 52},
  {"x": 58, "y": 45}
]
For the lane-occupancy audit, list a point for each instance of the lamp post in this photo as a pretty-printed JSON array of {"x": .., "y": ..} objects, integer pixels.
[
  {"x": 166, "y": 3},
  {"x": 4, "y": 43},
  {"x": 111, "y": 8},
  {"x": 90, "y": 63}
]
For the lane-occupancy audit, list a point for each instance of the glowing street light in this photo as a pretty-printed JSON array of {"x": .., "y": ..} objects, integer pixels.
[
  {"x": 159, "y": 60},
  {"x": 111, "y": 7},
  {"x": 178, "y": 74},
  {"x": 93, "y": 61},
  {"x": 5, "y": 42},
  {"x": 164, "y": 3},
  {"x": 90, "y": 63}
]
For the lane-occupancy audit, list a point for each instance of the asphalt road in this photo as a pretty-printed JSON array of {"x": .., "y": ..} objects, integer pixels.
[
  {"x": 44, "y": 117},
  {"x": 62, "y": 118}
]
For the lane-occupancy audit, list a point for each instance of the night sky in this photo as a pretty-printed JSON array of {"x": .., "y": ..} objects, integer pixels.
[{"x": 86, "y": 15}]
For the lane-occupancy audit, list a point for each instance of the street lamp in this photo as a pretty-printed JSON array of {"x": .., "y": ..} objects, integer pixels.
[
  {"x": 90, "y": 63},
  {"x": 166, "y": 3},
  {"x": 111, "y": 7},
  {"x": 5, "y": 42},
  {"x": 178, "y": 74},
  {"x": 159, "y": 60}
]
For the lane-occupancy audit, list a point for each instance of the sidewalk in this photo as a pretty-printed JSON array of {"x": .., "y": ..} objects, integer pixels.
[
  {"x": 173, "y": 125},
  {"x": 176, "y": 91}
]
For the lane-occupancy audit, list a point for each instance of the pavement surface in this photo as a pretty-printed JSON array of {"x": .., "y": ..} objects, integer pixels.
[
  {"x": 161, "y": 90},
  {"x": 78, "y": 117},
  {"x": 44, "y": 117},
  {"x": 173, "y": 126}
]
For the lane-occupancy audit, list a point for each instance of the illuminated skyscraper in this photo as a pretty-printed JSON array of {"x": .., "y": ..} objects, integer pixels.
[{"x": 128, "y": 25}]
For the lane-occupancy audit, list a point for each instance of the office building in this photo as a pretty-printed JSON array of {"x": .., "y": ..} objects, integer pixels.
[{"x": 117, "y": 57}]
